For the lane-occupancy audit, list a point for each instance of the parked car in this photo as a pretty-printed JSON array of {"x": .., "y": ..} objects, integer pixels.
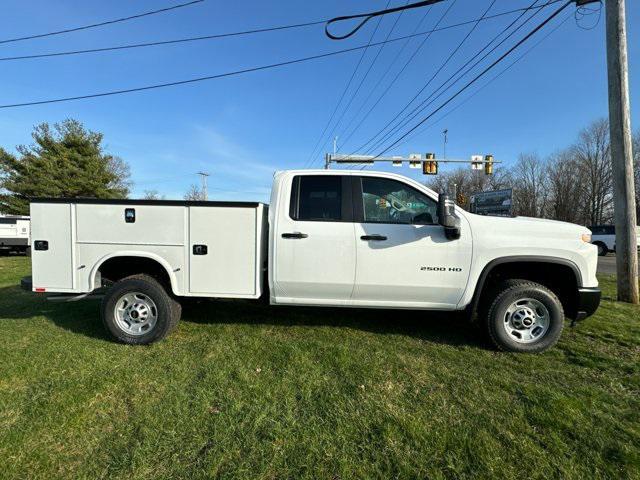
[
  {"x": 14, "y": 234},
  {"x": 328, "y": 238},
  {"x": 604, "y": 237}
]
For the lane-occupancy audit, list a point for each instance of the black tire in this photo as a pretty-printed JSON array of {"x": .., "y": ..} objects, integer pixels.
[
  {"x": 167, "y": 309},
  {"x": 602, "y": 249},
  {"x": 507, "y": 294}
]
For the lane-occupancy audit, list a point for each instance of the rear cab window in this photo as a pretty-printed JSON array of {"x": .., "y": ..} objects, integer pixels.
[{"x": 321, "y": 198}]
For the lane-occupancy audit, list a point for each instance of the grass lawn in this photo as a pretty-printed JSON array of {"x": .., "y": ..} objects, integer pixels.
[{"x": 243, "y": 390}]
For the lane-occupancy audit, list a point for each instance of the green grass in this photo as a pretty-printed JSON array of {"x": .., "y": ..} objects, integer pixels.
[{"x": 243, "y": 390}]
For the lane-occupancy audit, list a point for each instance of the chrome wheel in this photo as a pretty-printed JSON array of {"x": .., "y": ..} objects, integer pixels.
[
  {"x": 135, "y": 313},
  {"x": 526, "y": 320}
]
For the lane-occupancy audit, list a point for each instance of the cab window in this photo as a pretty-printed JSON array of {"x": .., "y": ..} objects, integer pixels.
[
  {"x": 389, "y": 201},
  {"x": 317, "y": 198}
]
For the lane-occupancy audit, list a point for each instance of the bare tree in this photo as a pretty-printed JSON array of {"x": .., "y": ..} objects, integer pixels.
[
  {"x": 467, "y": 182},
  {"x": 152, "y": 195},
  {"x": 530, "y": 185},
  {"x": 458, "y": 180},
  {"x": 591, "y": 151},
  {"x": 194, "y": 193},
  {"x": 121, "y": 172},
  {"x": 563, "y": 177}
]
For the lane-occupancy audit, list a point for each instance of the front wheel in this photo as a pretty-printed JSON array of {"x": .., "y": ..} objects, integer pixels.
[
  {"x": 138, "y": 310},
  {"x": 524, "y": 316}
]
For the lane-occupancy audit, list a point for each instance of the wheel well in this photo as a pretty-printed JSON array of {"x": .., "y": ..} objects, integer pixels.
[
  {"x": 560, "y": 278},
  {"x": 117, "y": 268}
]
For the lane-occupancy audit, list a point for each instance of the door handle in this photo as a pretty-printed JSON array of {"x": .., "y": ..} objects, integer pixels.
[
  {"x": 294, "y": 235},
  {"x": 377, "y": 238}
]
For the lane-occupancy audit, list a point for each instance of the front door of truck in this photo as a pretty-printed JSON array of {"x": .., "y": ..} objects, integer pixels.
[
  {"x": 314, "y": 254},
  {"x": 403, "y": 257}
]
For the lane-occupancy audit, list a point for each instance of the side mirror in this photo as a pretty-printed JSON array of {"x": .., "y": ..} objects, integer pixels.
[{"x": 447, "y": 217}]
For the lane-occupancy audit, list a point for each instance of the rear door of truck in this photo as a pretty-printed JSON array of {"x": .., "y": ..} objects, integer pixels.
[{"x": 314, "y": 255}]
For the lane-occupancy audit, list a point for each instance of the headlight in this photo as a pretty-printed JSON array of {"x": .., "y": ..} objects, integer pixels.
[{"x": 586, "y": 237}]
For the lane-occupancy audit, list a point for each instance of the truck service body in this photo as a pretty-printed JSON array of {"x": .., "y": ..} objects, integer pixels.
[{"x": 328, "y": 238}]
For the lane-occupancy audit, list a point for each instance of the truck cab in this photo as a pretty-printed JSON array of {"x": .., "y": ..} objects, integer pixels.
[
  {"x": 328, "y": 238},
  {"x": 363, "y": 240}
]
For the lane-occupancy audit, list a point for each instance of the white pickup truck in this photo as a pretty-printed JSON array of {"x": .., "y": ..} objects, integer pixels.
[{"x": 328, "y": 238}]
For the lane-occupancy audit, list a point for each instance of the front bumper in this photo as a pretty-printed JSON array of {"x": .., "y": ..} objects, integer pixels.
[{"x": 587, "y": 302}]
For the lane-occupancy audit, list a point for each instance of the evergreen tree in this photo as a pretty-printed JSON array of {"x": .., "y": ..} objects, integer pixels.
[{"x": 64, "y": 161}]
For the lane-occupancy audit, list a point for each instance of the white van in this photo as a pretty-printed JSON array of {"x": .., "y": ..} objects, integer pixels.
[{"x": 604, "y": 237}]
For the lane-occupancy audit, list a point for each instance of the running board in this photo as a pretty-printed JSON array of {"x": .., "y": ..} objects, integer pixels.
[{"x": 75, "y": 298}]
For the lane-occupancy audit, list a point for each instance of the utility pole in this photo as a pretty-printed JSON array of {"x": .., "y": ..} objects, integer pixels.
[
  {"x": 203, "y": 176},
  {"x": 621, "y": 154}
]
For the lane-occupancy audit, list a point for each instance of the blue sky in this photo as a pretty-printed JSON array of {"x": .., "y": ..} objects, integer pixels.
[{"x": 243, "y": 128}]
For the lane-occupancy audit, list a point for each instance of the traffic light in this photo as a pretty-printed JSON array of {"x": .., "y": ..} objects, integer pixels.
[
  {"x": 488, "y": 164},
  {"x": 430, "y": 166}
]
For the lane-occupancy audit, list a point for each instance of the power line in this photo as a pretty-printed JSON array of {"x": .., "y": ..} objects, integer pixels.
[
  {"x": 370, "y": 15},
  {"x": 101, "y": 24},
  {"x": 393, "y": 81},
  {"x": 401, "y": 123},
  {"x": 319, "y": 143},
  {"x": 443, "y": 64},
  {"x": 364, "y": 77},
  {"x": 252, "y": 69},
  {"x": 480, "y": 75},
  {"x": 160, "y": 42},
  {"x": 421, "y": 106},
  {"x": 163, "y": 42},
  {"x": 486, "y": 84},
  {"x": 523, "y": 11}
]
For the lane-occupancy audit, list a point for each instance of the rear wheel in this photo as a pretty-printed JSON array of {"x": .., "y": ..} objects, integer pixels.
[
  {"x": 524, "y": 316},
  {"x": 138, "y": 310}
]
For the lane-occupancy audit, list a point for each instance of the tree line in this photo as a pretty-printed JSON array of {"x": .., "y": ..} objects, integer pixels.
[{"x": 573, "y": 184}]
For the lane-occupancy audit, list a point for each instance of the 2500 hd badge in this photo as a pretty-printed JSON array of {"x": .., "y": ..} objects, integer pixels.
[{"x": 441, "y": 269}]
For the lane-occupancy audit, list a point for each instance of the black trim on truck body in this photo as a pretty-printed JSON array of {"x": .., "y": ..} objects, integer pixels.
[
  {"x": 125, "y": 201},
  {"x": 515, "y": 259}
]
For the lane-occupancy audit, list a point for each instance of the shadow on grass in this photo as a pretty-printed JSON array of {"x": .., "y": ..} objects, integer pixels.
[
  {"x": 450, "y": 328},
  {"x": 79, "y": 317},
  {"x": 83, "y": 317}
]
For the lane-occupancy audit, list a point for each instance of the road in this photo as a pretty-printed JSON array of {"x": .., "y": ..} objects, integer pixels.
[{"x": 607, "y": 264}]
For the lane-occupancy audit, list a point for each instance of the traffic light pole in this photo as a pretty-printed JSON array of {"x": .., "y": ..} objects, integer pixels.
[{"x": 370, "y": 159}]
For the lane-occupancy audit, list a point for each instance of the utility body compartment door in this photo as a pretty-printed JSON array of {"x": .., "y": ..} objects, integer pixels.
[
  {"x": 52, "y": 262},
  {"x": 224, "y": 251}
]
